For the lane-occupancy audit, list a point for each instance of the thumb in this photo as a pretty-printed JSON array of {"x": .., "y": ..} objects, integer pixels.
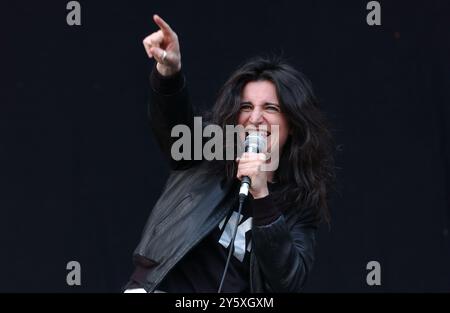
[{"x": 158, "y": 53}]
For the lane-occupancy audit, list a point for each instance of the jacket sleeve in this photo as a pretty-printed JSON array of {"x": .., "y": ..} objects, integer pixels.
[
  {"x": 168, "y": 106},
  {"x": 285, "y": 254}
]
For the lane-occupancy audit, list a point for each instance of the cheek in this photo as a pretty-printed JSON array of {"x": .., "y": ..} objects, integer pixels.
[
  {"x": 242, "y": 118},
  {"x": 284, "y": 132}
]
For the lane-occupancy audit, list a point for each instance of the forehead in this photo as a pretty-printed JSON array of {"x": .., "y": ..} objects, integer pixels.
[{"x": 262, "y": 90}]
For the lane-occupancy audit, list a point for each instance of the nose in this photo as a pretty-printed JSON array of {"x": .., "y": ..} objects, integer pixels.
[{"x": 256, "y": 117}]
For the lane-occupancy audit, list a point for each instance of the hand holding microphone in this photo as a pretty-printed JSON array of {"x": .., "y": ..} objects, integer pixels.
[{"x": 250, "y": 167}]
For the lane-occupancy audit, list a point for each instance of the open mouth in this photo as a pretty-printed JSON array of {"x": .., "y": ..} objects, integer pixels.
[{"x": 260, "y": 132}]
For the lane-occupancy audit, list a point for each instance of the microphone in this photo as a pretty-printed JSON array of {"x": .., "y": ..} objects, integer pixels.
[{"x": 256, "y": 143}]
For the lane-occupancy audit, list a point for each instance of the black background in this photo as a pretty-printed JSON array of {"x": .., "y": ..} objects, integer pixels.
[{"x": 79, "y": 170}]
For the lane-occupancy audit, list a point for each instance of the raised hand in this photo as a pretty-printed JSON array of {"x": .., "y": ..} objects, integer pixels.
[{"x": 163, "y": 45}]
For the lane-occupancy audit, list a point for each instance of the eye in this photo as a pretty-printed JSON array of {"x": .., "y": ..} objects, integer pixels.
[
  {"x": 245, "y": 107},
  {"x": 272, "y": 108}
]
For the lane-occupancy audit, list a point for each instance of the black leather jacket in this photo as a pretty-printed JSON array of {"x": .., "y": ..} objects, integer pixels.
[{"x": 193, "y": 202}]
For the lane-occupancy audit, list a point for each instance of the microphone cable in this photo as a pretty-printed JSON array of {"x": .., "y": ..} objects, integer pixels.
[{"x": 241, "y": 204}]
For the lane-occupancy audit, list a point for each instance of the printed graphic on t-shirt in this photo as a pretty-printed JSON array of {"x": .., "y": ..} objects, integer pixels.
[{"x": 240, "y": 244}]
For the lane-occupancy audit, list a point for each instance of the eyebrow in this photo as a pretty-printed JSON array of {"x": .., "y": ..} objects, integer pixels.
[{"x": 266, "y": 103}]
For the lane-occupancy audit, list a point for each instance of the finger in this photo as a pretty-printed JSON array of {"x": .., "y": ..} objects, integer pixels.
[
  {"x": 148, "y": 50},
  {"x": 156, "y": 39},
  {"x": 251, "y": 156},
  {"x": 249, "y": 162},
  {"x": 254, "y": 157},
  {"x": 238, "y": 175},
  {"x": 163, "y": 25},
  {"x": 254, "y": 168},
  {"x": 268, "y": 156},
  {"x": 158, "y": 53},
  {"x": 250, "y": 172},
  {"x": 147, "y": 44}
]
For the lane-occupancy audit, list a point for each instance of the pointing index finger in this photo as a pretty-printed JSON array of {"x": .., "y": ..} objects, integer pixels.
[{"x": 163, "y": 25}]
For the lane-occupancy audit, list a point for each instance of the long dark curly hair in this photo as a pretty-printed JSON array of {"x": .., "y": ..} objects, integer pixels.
[{"x": 306, "y": 169}]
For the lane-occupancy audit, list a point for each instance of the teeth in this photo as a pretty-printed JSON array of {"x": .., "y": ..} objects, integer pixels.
[{"x": 261, "y": 132}]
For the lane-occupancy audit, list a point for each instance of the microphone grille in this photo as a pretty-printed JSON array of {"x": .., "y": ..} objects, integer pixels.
[{"x": 255, "y": 142}]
